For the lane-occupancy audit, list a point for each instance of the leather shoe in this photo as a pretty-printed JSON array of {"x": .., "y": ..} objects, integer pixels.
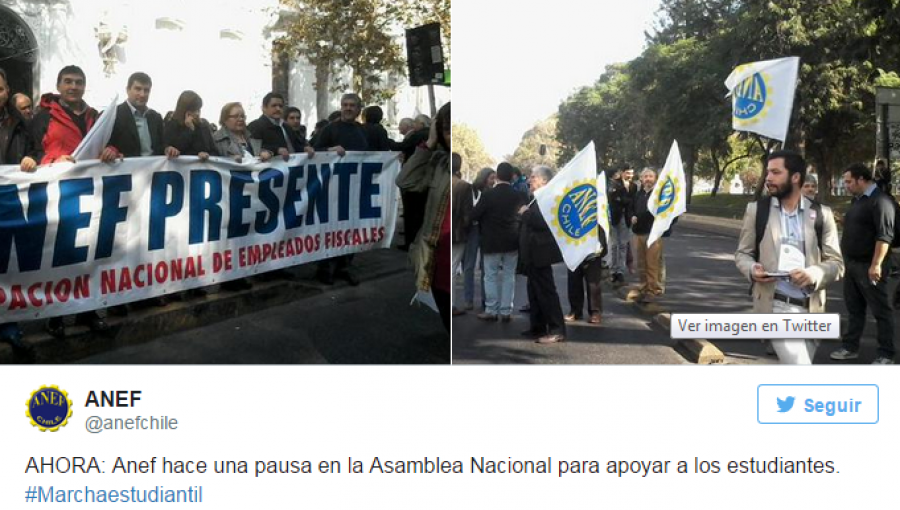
[
  {"x": 532, "y": 333},
  {"x": 552, "y": 338},
  {"x": 487, "y": 317},
  {"x": 595, "y": 319},
  {"x": 572, "y": 317}
]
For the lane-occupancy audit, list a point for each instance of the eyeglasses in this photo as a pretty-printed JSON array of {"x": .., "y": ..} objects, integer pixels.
[{"x": 238, "y": 116}]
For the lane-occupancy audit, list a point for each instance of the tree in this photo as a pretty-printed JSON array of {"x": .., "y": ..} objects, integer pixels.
[
  {"x": 527, "y": 154},
  {"x": 362, "y": 35},
  {"x": 467, "y": 144}
]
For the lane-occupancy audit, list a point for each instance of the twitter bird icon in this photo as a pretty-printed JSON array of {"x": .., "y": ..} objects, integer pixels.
[{"x": 785, "y": 405}]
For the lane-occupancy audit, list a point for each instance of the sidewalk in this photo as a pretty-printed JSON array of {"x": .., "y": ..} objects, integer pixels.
[{"x": 144, "y": 324}]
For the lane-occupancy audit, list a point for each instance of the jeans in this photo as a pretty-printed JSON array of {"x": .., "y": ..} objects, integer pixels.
[
  {"x": 500, "y": 282},
  {"x": 621, "y": 236},
  {"x": 458, "y": 251},
  {"x": 470, "y": 259}
]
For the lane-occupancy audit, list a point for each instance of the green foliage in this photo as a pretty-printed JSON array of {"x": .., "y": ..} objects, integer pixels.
[
  {"x": 528, "y": 153},
  {"x": 362, "y": 35},
  {"x": 674, "y": 89},
  {"x": 467, "y": 144}
]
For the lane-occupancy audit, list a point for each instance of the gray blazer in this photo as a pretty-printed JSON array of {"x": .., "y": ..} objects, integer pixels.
[
  {"x": 824, "y": 267},
  {"x": 229, "y": 147}
]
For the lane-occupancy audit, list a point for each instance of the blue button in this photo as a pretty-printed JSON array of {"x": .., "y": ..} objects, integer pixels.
[{"x": 831, "y": 404}]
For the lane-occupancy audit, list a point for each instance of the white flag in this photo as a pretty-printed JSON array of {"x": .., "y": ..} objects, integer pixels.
[
  {"x": 762, "y": 96},
  {"x": 603, "y": 205},
  {"x": 95, "y": 141},
  {"x": 668, "y": 200},
  {"x": 569, "y": 206}
]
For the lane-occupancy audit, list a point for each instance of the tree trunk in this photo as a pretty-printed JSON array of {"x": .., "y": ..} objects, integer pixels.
[
  {"x": 766, "y": 148},
  {"x": 691, "y": 157},
  {"x": 717, "y": 180},
  {"x": 323, "y": 78}
]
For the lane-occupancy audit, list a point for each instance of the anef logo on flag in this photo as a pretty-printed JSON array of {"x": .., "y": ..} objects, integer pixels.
[
  {"x": 569, "y": 205},
  {"x": 762, "y": 96}
]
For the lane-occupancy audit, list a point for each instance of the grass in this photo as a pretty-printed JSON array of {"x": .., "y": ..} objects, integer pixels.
[{"x": 733, "y": 206}]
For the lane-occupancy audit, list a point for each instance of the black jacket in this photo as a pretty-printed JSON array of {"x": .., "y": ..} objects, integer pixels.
[
  {"x": 461, "y": 208},
  {"x": 538, "y": 247},
  {"x": 621, "y": 201},
  {"x": 190, "y": 142},
  {"x": 125, "y": 135},
  {"x": 377, "y": 137},
  {"x": 497, "y": 214},
  {"x": 272, "y": 136},
  {"x": 349, "y": 135},
  {"x": 869, "y": 219},
  {"x": 644, "y": 217},
  {"x": 409, "y": 144},
  {"x": 19, "y": 142}
]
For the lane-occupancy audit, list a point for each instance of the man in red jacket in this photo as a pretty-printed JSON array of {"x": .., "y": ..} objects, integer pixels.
[
  {"x": 63, "y": 122},
  {"x": 65, "y": 119}
]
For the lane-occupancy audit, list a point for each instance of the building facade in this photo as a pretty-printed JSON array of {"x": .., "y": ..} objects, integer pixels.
[{"x": 220, "y": 49}]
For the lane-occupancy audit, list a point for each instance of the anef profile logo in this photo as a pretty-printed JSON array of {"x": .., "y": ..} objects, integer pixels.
[{"x": 49, "y": 408}]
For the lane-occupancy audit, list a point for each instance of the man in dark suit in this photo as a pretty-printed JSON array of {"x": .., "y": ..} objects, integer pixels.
[
  {"x": 275, "y": 134},
  {"x": 497, "y": 214},
  {"x": 539, "y": 252},
  {"x": 138, "y": 130}
]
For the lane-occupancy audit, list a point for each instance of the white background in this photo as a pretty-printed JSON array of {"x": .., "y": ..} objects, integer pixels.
[{"x": 407, "y": 413}]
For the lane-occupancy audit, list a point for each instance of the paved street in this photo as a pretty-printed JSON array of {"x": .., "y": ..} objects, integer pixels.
[
  {"x": 372, "y": 323},
  {"x": 283, "y": 321},
  {"x": 626, "y": 336},
  {"x": 701, "y": 279}
]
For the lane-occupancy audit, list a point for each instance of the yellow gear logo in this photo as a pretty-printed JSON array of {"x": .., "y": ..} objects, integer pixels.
[
  {"x": 49, "y": 408},
  {"x": 752, "y": 98},
  {"x": 575, "y": 212}
]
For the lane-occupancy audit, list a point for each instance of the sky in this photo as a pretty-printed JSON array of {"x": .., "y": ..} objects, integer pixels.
[{"x": 515, "y": 62}]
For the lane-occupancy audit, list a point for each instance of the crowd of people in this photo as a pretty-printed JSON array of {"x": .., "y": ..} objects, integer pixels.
[
  {"x": 499, "y": 229},
  {"x": 51, "y": 133}
]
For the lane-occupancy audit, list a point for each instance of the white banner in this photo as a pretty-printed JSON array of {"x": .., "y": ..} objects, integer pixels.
[
  {"x": 95, "y": 141},
  {"x": 669, "y": 197},
  {"x": 763, "y": 96},
  {"x": 80, "y": 237},
  {"x": 569, "y": 206}
]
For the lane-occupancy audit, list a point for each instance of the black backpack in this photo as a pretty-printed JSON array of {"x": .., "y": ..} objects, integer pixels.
[{"x": 763, "y": 206}]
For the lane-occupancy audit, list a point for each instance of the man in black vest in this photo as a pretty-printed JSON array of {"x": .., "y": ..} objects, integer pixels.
[
  {"x": 138, "y": 130},
  {"x": 866, "y": 245}
]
